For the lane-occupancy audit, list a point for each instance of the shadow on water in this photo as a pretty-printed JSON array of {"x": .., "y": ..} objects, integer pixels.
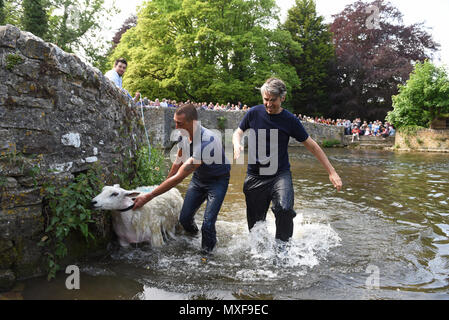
[{"x": 392, "y": 216}]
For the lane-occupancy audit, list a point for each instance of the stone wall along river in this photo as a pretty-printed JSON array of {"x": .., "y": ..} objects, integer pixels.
[{"x": 57, "y": 117}]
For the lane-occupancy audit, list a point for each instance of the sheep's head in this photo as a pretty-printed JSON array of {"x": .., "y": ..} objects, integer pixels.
[{"x": 114, "y": 198}]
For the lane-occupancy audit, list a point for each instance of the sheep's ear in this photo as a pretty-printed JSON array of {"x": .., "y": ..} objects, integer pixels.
[
  {"x": 116, "y": 186},
  {"x": 132, "y": 194}
]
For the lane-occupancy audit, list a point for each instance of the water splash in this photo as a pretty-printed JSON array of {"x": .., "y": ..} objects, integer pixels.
[{"x": 265, "y": 258}]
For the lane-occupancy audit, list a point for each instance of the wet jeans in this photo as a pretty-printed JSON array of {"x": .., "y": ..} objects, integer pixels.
[
  {"x": 260, "y": 191},
  {"x": 213, "y": 190}
]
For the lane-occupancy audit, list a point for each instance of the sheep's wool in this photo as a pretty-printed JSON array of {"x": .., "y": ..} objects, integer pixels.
[
  {"x": 158, "y": 217},
  {"x": 153, "y": 222}
]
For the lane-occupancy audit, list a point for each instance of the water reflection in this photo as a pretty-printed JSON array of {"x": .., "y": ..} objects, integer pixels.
[{"x": 392, "y": 214}]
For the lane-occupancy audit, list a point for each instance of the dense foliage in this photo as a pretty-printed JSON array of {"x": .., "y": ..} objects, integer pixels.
[
  {"x": 423, "y": 98},
  {"x": 373, "y": 58},
  {"x": 312, "y": 64},
  {"x": 34, "y": 17}
]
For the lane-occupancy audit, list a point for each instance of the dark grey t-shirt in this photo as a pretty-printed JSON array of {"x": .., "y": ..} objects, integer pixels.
[{"x": 211, "y": 153}]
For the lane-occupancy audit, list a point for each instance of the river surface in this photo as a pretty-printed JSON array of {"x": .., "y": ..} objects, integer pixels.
[{"x": 385, "y": 236}]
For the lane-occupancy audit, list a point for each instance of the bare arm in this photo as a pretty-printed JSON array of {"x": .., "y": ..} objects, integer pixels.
[
  {"x": 316, "y": 150},
  {"x": 236, "y": 138},
  {"x": 176, "y": 165},
  {"x": 185, "y": 169}
]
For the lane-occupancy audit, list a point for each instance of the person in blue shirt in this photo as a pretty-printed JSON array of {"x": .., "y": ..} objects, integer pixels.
[
  {"x": 201, "y": 153},
  {"x": 263, "y": 183},
  {"x": 116, "y": 76}
]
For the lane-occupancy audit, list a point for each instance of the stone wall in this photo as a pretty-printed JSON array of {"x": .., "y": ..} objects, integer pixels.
[
  {"x": 423, "y": 140},
  {"x": 57, "y": 117}
]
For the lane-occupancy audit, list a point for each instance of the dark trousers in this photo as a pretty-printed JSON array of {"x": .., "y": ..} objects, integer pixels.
[
  {"x": 213, "y": 190},
  {"x": 260, "y": 191}
]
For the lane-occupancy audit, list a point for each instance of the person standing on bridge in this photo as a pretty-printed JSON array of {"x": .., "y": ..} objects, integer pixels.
[
  {"x": 116, "y": 76},
  {"x": 261, "y": 186}
]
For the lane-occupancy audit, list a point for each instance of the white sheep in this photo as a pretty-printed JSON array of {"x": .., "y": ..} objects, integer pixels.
[{"x": 156, "y": 219}]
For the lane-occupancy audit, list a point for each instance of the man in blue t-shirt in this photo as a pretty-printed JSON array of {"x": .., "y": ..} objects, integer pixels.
[
  {"x": 268, "y": 176},
  {"x": 200, "y": 152}
]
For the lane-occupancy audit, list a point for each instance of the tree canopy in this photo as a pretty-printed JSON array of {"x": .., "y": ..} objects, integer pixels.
[
  {"x": 312, "y": 65},
  {"x": 35, "y": 17},
  {"x": 206, "y": 51},
  {"x": 2, "y": 12},
  {"x": 373, "y": 60},
  {"x": 423, "y": 98}
]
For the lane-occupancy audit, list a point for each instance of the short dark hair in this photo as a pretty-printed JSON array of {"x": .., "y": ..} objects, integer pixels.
[
  {"x": 122, "y": 60},
  {"x": 189, "y": 110}
]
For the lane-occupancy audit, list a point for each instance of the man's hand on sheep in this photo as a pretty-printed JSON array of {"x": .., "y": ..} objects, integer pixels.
[
  {"x": 140, "y": 201},
  {"x": 187, "y": 168}
]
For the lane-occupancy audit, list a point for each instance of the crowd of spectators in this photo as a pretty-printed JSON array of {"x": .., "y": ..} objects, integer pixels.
[
  {"x": 199, "y": 105},
  {"x": 356, "y": 128}
]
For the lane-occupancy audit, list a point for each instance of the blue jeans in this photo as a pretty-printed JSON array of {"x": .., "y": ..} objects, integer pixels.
[{"x": 213, "y": 190}]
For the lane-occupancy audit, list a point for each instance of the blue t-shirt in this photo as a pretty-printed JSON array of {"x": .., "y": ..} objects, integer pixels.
[
  {"x": 211, "y": 154},
  {"x": 286, "y": 124}
]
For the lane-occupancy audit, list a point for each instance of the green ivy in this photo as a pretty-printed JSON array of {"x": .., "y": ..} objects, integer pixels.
[
  {"x": 330, "y": 143},
  {"x": 12, "y": 60},
  {"x": 69, "y": 211},
  {"x": 410, "y": 130},
  {"x": 139, "y": 172}
]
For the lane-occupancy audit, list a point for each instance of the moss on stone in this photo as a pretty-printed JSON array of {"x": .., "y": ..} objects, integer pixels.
[{"x": 12, "y": 60}]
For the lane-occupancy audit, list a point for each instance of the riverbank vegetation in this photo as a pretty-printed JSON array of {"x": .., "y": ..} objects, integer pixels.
[{"x": 423, "y": 98}]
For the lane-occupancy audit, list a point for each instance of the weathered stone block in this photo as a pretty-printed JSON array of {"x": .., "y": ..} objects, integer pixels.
[
  {"x": 30, "y": 259},
  {"x": 8, "y": 36},
  {"x": 20, "y": 198},
  {"x": 33, "y": 47}
]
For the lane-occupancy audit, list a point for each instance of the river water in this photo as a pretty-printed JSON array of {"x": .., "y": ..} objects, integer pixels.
[{"x": 385, "y": 236}]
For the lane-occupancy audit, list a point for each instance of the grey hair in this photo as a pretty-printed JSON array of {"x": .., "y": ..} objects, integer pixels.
[{"x": 274, "y": 86}]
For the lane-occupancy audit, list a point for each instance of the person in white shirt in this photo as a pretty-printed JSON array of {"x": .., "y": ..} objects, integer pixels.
[
  {"x": 164, "y": 103},
  {"x": 116, "y": 76}
]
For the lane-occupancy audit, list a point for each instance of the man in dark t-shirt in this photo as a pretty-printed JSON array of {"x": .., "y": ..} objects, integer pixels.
[
  {"x": 200, "y": 152},
  {"x": 269, "y": 179}
]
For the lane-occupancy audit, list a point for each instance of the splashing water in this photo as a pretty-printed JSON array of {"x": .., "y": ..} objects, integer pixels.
[
  {"x": 247, "y": 258},
  {"x": 268, "y": 258}
]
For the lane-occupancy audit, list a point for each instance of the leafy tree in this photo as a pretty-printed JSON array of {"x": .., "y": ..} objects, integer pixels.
[
  {"x": 128, "y": 24},
  {"x": 373, "y": 60},
  {"x": 13, "y": 12},
  {"x": 74, "y": 26},
  {"x": 312, "y": 65},
  {"x": 423, "y": 98},
  {"x": 34, "y": 17},
  {"x": 2, "y": 12},
  {"x": 215, "y": 50}
]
